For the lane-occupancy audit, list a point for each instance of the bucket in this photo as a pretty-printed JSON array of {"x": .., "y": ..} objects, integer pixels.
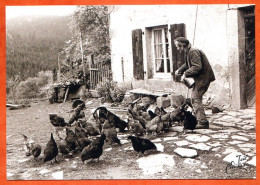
[
  {"x": 189, "y": 82},
  {"x": 178, "y": 77}
]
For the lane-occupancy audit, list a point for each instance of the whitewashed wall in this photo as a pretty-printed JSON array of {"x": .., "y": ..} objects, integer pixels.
[{"x": 210, "y": 34}]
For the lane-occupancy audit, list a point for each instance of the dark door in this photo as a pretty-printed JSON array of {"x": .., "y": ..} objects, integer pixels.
[
  {"x": 138, "y": 54},
  {"x": 177, "y": 30},
  {"x": 249, "y": 18}
]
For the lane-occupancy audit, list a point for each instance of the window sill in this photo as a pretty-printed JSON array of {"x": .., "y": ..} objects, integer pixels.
[{"x": 164, "y": 77}]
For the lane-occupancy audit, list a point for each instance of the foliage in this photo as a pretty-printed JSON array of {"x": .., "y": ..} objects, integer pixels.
[
  {"x": 32, "y": 87},
  {"x": 11, "y": 86},
  {"x": 89, "y": 24},
  {"x": 110, "y": 90}
]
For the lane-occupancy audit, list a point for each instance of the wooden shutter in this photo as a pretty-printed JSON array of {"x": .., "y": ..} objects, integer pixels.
[
  {"x": 138, "y": 54},
  {"x": 177, "y": 30}
]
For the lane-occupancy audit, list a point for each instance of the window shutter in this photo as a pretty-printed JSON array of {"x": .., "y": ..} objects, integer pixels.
[
  {"x": 177, "y": 30},
  {"x": 138, "y": 54}
]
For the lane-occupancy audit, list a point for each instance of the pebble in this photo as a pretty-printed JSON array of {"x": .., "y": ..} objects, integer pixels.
[
  {"x": 57, "y": 175},
  {"x": 235, "y": 142},
  {"x": 169, "y": 138},
  {"x": 218, "y": 155},
  {"x": 247, "y": 111},
  {"x": 229, "y": 150},
  {"x": 220, "y": 136},
  {"x": 185, "y": 152},
  {"x": 201, "y": 146},
  {"x": 176, "y": 129},
  {"x": 198, "y": 171},
  {"x": 158, "y": 163},
  {"x": 240, "y": 138},
  {"x": 22, "y": 160},
  {"x": 159, "y": 147},
  {"x": 123, "y": 141},
  {"x": 198, "y": 138},
  {"x": 215, "y": 144},
  {"x": 157, "y": 140},
  {"x": 248, "y": 127},
  {"x": 108, "y": 149},
  {"x": 248, "y": 145},
  {"x": 44, "y": 171},
  {"x": 234, "y": 158},
  {"x": 182, "y": 143},
  {"x": 204, "y": 166}
]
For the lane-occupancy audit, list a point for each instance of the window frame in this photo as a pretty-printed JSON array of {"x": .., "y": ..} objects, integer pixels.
[{"x": 165, "y": 74}]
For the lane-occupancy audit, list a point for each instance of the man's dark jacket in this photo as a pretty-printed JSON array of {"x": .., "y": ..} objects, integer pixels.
[{"x": 198, "y": 67}]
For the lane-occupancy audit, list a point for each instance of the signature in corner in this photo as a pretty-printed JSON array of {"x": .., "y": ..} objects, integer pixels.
[{"x": 239, "y": 164}]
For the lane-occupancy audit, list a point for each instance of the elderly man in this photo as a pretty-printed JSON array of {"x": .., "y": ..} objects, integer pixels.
[{"x": 196, "y": 66}]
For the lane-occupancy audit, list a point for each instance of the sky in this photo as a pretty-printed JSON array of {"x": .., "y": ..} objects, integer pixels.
[{"x": 16, "y": 11}]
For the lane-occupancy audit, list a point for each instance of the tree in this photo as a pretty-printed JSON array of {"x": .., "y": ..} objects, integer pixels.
[{"x": 91, "y": 24}]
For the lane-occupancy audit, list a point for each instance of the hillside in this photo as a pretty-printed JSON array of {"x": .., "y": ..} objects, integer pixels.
[{"x": 33, "y": 43}]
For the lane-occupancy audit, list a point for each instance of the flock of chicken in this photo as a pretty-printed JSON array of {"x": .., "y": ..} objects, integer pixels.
[{"x": 89, "y": 135}]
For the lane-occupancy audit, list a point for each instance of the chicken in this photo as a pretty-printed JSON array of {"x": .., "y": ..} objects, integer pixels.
[
  {"x": 141, "y": 144},
  {"x": 189, "y": 121},
  {"x": 80, "y": 132},
  {"x": 77, "y": 113},
  {"x": 152, "y": 115},
  {"x": 78, "y": 102},
  {"x": 101, "y": 114},
  {"x": 166, "y": 121},
  {"x": 110, "y": 131},
  {"x": 82, "y": 142},
  {"x": 63, "y": 148},
  {"x": 152, "y": 126},
  {"x": 138, "y": 118},
  {"x": 51, "y": 150},
  {"x": 175, "y": 115},
  {"x": 94, "y": 150},
  {"x": 57, "y": 121},
  {"x": 160, "y": 111},
  {"x": 70, "y": 139},
  {"x": 31, "y": 147},
  {"x": 36, "y": 150},
  {"x": 89, "y": 128},
  {"x": 135, "y": 126}
]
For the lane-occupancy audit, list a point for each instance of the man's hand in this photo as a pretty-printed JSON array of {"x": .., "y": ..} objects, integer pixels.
[
  {"x": 182, "y": 77},
  {"x": 177, "y": 72}
]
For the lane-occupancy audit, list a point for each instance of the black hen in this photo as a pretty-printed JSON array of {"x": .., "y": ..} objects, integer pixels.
[
  {"x": 70, "y": 139},
  {"x": 78, "y": 102},
  {"x": 82, "y": 142},
  {"x": 189, "y": 121},
  {"x": 141, "y": 144},
  {"x": 152, "y": 115},
  {"x": 63, "y": 147},
  {"x": 51, "y": 150},
  {"x": 57, "y": 121},
  {"x": 94, "y": 150}
]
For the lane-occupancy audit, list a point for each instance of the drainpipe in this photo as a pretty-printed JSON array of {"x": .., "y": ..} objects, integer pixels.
[{"x": 123, "y": 71}]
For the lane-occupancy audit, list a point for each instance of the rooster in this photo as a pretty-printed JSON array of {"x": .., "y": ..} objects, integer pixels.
[{"x": 31, "y": 147}]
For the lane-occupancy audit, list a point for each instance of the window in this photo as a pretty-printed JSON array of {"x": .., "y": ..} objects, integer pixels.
[{"x": 161, "y": 51}]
